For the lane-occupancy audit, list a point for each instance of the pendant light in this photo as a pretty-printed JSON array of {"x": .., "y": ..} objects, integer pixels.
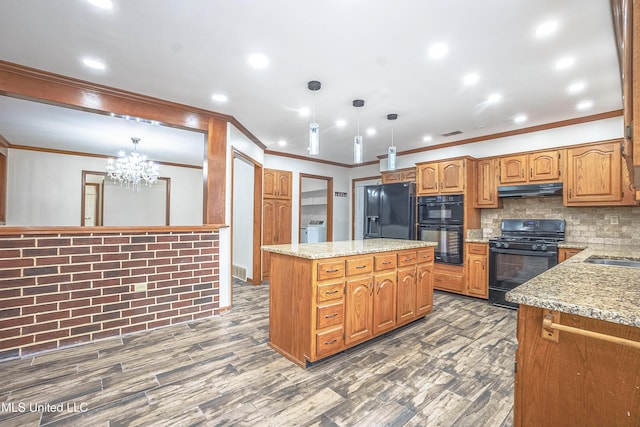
[
  {"x": 314, "y": 128},
  {"x": 391, "y": 156},
  {"x": 358, "y": 144}
]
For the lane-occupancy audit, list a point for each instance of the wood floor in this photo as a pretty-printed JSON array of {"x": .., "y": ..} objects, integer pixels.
[{"x": 455, "y": 368}]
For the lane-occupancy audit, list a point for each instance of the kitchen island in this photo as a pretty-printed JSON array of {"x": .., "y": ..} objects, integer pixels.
[
  {"x": 326, "y": 297},
  {"x": 578, "y": 356}
]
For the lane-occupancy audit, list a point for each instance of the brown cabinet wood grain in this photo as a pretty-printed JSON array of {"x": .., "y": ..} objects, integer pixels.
[
  {"x": 595, "y": 176},
  {"x": 320, "y": 307},
  {"x": 400, "y": 175},
  {"x": 487, "y": 184},
  {"x": 575, "y": 379},
  {"x": 276, "y": 228},
  {"x": 477, "y": 271},
  {"x": 566, "y": 253},
  {"x": 539, "y": 166},
  {"x": 277, "y": 184},
  {"x": 444, "y": 177}
]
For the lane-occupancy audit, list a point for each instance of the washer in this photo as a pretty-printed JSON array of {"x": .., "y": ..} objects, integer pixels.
[{"x": 316, "y": 231}]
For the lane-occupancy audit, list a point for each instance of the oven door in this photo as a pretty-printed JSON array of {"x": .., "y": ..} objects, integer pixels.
[
  {"x": 448, "y": 239},
  {"x": 509, "y": 268}
]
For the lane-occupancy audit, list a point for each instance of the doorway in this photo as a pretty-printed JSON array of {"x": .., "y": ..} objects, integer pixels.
[{"x": 315, "y": 213}]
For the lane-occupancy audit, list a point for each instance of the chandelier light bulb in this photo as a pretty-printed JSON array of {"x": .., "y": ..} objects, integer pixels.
[{"x": 134, "y": 170}]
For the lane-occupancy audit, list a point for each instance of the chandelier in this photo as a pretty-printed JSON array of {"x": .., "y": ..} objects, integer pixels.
[{"x": 133, "y": 169}]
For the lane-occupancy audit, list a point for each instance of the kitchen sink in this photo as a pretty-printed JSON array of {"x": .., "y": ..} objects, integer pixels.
[{"x": 619, "y": 262}]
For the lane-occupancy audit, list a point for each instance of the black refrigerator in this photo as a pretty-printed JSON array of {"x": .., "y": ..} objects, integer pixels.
[{"x": 390, "y": 211}]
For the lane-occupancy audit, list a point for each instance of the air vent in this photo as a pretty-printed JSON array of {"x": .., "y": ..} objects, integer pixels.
[
  {"x": 455, "y": 132},
  {"x": 239, "y": 271}
]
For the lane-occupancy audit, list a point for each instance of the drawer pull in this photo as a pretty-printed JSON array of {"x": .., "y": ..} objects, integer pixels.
[
  {"x": 386, "y": 263},
  {"x": 331, "y": 271},
  {"x": 331, "y": 292},
  {"x": 408, "y": 259},
  {"x": 330, "y": 342},
  {"x": 330, "y": 316},
  {"x": 361, "y": 266}
]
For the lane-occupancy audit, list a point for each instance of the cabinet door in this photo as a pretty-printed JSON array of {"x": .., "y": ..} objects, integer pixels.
[
  {"x": 406, "y": 295},
  {"x": 424, "y": 291},
  {"x": 593, "y": 174},
  {"x": 359, "y": 310},
  {"x": 391, "y": 177},
  {"x": 566, "y": 253},
  {"x": 269, "y": 183},
  {"x": 409, "y": 175},
  {"x": 384, "y": 302},
  {"x": 428, "y": 179},
  {"x": 269, "y": 219},
  {"x": 544, "y": 166},
  {"x": 283, "y": 224},
  {"x": 284, "y": 184},
  {"x": 486, "y": 184},
  {"x": 477, "y": 276},
  {"x": 512, "y": 169},
  {"x": 452, "y": 176}
]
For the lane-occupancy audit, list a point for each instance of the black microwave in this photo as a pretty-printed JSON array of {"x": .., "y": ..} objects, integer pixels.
[{"x": 444, "y": 209}]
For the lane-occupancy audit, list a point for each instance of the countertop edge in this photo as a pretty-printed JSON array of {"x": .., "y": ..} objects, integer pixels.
[{"x": 345, "y": 248}]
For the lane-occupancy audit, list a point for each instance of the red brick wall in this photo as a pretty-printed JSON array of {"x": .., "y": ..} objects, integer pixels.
[{"x": 65, "y": 289}]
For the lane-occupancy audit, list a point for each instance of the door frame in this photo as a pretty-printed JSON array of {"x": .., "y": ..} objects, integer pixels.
[
  {"x": 329, "y": 224},
  {"x": 256, "y": 278}
]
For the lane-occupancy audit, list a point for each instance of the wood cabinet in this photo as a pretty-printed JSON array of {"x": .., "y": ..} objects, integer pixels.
[
  {"x": 487, "y": 184},
  {"x": 445, "y": 177},
  {"x": 276, "y": 212},
  {"x": 277, "y": 184},
  {"x": 477, "y": 269},
  {"x": 400, "y": 175},
  {"x": 575, "y": 377},
  {"x": 539, "y": 166},
  {"x": 447, "y": 277},
  {"x": 320, "y": 307},
  {"x": 596, "y": 176},
  {"x": 566, "y": 253}
]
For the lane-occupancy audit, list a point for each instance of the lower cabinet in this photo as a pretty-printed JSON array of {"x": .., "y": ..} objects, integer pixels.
[
  {"x": 477, "y": 275},
  {"x": 566, "y": 253},
  {"x": 320, "y": 307}
]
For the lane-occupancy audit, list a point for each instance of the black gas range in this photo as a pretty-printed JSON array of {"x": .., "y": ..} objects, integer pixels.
[{"x": 524, "y": 249}]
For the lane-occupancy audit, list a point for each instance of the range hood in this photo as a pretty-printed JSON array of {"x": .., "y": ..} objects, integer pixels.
[{"x": 530, "y": 190}]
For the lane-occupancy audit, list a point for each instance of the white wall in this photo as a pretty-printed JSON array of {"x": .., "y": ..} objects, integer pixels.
[
  {"x": 243, "y": 215},
  {"x": 45, "y": 189},
  {"x": 341, "y": 183}
]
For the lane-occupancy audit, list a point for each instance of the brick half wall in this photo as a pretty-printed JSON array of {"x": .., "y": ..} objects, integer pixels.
[{"x": 65, "y": 289}]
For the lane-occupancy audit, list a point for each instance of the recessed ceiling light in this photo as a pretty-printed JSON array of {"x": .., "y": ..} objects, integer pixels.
[
  {"x": 576, "y": 87},
  {"x": 520, "y": 118},
  {"x": 493, "y": 98},
  {"x": 546, "y": 28},
  {"x": 102, "y": 4},
  {"x": 584, "y": 105},
  {"x": 427, "y": 138},
  {"x": 371, "y": 131},
  {"x": 258, "y": 60},
  {"x": 219, "y": 97},
  {"x": 564, "y": 63},
  {"x": 438, "y": 50},
  {"x": 470, "y": 79},
  {"x": 282, "y": 143},
  {"x": 341, "y": 123},
  {"x": 96, "y": 64},
  {"x": 304, "y": 111}
]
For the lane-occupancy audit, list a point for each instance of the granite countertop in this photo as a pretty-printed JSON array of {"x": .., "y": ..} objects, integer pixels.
[
  {"x": 597, "y": 291},
  {"x": 345, "y": 248},
  {"x": 476, "y": 240}
]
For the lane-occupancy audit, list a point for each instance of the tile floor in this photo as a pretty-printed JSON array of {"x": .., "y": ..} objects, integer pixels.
[{"x": 454, "y": 368}]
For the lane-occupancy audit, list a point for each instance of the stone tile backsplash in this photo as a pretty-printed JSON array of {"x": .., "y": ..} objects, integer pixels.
[{"x": 583, "y": 225}]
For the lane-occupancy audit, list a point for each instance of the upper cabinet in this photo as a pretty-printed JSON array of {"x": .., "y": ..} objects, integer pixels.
[
  {"x": 596, "y": 176},
  {"x": 487, "y": 184},
  {"x": 400, "y": 175},
  {"x": 446, "y": 177},
  {"x": 540, "y": 166},
  {"x": 277, "y": 184}
]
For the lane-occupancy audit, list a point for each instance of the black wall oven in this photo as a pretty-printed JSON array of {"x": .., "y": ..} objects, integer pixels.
[{"x": 441, "y": 220}]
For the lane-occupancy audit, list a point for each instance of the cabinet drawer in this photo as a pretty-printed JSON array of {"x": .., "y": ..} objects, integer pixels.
[
  {"x": 359, "y": 266},
  {"x": 330, "y": 270},
  {"x": 329, "y": 342},
  {"x": 330, "y": 291},
  {"x": 448, "y": 282},
  {"x": 385, "y": 262},
  {"x": 478, "y": 249},
  {"x": 425, "y": 255},
  {"x": 407, "y": 258},
  {"x": 329, "y": 315}
]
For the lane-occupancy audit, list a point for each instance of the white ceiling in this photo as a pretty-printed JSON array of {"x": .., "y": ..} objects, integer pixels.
[{"x": 185, "y": 51}]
